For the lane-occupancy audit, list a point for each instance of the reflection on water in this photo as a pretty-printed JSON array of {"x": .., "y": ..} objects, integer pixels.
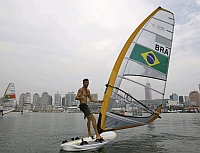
[
  {"x": 44, "y": 132},
  {"x": 151, "y": 127}
]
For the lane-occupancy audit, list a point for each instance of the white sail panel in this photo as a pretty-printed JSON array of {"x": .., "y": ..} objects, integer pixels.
[
  {"x": 165, "y": 16},
  {"x": 141, "y": 70},
  {"x": 28, "y": 98},
  {"x": 160, "y": 27}
]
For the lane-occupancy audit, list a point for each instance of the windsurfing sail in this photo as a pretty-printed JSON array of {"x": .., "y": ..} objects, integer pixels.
[
  {"x": 9, "y": 99},
  {"x": 136, "y": 87},
  {"x": 26, "y": 107}
]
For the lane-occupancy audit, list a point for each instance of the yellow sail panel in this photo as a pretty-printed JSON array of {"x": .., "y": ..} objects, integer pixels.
[{"x": 145, "y": 55}]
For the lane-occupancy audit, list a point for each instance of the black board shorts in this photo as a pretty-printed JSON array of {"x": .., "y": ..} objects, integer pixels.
[{"x": 85, "y": 109}]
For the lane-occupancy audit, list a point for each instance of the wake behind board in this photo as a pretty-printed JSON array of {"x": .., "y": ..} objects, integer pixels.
[{"x": 77, "y": 145}]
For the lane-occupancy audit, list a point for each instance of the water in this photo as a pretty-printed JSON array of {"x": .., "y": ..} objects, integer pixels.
[{"x": 44, "y": 132}]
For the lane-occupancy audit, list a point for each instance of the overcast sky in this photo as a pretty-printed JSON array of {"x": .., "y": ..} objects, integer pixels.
[{"x": 52, "y": 45}]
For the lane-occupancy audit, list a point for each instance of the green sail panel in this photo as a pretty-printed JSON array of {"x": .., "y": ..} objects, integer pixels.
[{"x": 150, "y": 58}]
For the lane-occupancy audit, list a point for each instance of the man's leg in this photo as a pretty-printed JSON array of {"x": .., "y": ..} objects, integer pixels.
[
  {"x": 88, "y": 126},
  {"x": 91, "y": 118}
]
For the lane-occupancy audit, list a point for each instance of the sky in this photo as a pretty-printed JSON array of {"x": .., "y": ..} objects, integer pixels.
[{"x": 53, "y": 45}]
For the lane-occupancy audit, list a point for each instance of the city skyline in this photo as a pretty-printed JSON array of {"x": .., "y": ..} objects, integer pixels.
[
  {"x": 46, "y": 102},
  {"x": 55, "y": 47},
  {"x": 72, "y": 92}
]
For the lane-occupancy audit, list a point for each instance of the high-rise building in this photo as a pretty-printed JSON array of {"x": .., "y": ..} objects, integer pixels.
[
  {"x": 195, "y": 97},
  {"x": 36, "y": 102},
  {"x": 21, "y": 99},
  {"x": 57, "y": 99},
  {"x": 70, "y": 99},
  {"x": 50, "y": 100},
  {"x": 181, "y": 99},
  {"x": 199, "y": 87},
  {"x": 44, "y": 101},
  {"x": 63, "y": 101},
  {"x": 174, "y": 97},
  {"x": 148, "y": 94}
]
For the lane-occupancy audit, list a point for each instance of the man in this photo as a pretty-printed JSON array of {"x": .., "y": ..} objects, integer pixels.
[
  {"x": 82, "y": 95},
  {"x": 1, "y": 109}
]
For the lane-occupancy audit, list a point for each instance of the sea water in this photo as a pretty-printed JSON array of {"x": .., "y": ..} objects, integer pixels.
[{"x": 44, "y": 132}]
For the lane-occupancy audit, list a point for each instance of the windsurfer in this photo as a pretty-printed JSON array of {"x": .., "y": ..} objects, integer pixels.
[
  {"x": 82, "y": 95},
  {"x": 21, "y": 111},
  {"x": 1, "y": 110}
]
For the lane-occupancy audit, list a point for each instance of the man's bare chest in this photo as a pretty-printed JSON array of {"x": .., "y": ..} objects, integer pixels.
[{"x": 85, "y": 93}]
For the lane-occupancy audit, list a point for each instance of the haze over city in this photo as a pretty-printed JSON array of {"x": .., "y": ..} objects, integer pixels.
[{"x": 53, "y": 45}]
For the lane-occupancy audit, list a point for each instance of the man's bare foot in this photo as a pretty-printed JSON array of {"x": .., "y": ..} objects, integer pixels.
[
  {"x": 99, "y": 137},
  {"x": 90, "y": 135}
]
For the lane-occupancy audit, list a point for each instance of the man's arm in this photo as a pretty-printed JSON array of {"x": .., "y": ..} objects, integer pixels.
[
  {"x": 92, "y": 99},
  {"x": 79, "y": 95}
]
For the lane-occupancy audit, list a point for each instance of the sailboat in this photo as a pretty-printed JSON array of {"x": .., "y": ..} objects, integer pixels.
[
  {"x": 145, "y": 56},
  {"x": 26, "y": 107},
  {"x": 9, "y": 99}
]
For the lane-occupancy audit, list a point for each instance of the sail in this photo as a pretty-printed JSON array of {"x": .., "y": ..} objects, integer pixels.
[
  {"x": 9, "y": 99},
  {"x": 27, "y": 103},
  {"x": 136, "y": 87}
]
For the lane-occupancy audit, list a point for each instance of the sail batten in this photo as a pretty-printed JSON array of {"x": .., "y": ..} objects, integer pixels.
[
  {"x": 140, "y": 84},
  {"x": 136, "y": 87},
  {"x": 154, "y": 34},
  {"x": 162, "y": 21}
]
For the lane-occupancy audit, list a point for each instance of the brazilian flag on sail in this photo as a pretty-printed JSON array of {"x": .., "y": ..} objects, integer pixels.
[{"x": 150, "y": 58}]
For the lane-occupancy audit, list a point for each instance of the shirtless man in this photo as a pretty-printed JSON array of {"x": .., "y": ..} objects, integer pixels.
[{"x": 82, "y": 95}]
